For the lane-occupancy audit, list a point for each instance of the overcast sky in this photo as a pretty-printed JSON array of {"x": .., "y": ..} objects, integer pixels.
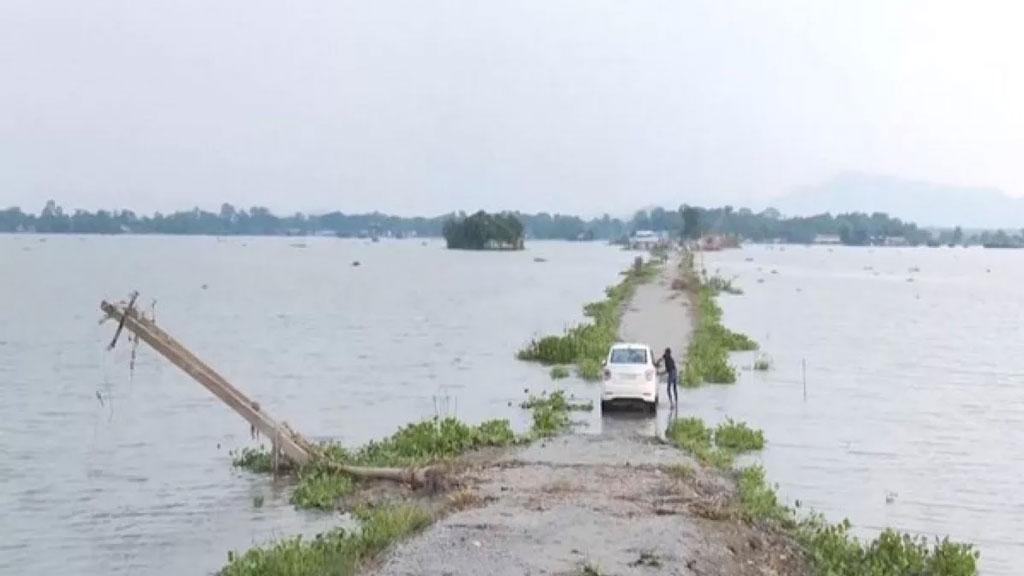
[{"x": 560, "y": 105}]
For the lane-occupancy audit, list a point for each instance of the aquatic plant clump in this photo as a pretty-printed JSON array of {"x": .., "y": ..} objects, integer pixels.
[
  {"x": 559, "y": 372},
  {"x": 320, "y": 488},
  {"x": 551, "y": 412},
  {"x": 738, "y": 437},
  {"x": 432, "y": 440},
  {"x": 707, "y": 358},
  {"x": 254, "y": 459},
  {"x": 718, "y": 447},
  {"x": 758, "y": 501},
  {"x": 587, "y": 344},
  {"x": 692, "y": 435},
  {"x": 719, "y": 284},
  {"x": 338, "y": 552},
  {"x": 590, "y": 369},
  {"x": 320, "y": 484}
]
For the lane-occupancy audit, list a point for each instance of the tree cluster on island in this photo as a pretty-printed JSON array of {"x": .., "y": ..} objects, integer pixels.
[{"x": 483, "y": 231}]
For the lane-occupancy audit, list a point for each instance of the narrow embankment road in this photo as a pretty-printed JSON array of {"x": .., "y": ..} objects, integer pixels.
[
  {"x": 659, "y": 316},
  {"x": 620, "y": 502}
]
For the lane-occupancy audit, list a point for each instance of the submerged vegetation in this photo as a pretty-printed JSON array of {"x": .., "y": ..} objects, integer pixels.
[
  {"x": 335, "y": 553},
  {"x": 707, "y": 357},
  {"x": 551, "y": 412},
  {"x": 587, "y": 344}
]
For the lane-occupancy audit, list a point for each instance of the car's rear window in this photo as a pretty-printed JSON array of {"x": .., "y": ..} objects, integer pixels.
[{"x": 629, "y": 356}]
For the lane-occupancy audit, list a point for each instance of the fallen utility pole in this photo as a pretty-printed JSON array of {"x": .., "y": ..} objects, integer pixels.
[{"x": 286, "y": 442}]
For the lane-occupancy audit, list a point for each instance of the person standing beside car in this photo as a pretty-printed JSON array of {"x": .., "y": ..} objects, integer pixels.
[{"x": 672, "y": 383}]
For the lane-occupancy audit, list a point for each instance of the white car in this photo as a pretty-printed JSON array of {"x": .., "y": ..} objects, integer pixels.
[{"x": 629, "y": 375}]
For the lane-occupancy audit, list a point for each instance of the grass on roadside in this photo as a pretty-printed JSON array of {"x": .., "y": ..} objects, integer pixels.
[
  {"x": 832, "y": 550},
  {"x": 335, "y": 553},
  {"x": 738, "y": 437},
  {"x": 416, "y": 444},
  {"x": 707, "y": 357},
  {"x": 717, "y": 448},
  {"x": 587, "y": 344}
]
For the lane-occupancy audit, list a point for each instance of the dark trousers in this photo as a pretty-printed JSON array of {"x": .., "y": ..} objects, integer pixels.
[{"x": 673, "y": 387}]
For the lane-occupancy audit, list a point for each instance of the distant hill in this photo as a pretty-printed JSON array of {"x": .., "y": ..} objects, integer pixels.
[{"x": 925, "y": 203}]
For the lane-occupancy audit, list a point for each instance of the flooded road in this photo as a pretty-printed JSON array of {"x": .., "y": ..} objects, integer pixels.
[
  {"x": 914, "y": 412},
  {"x": 103, "y": 472}
]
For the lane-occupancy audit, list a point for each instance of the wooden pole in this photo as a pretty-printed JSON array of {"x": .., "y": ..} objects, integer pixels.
[{"x": 290, "y": 444}]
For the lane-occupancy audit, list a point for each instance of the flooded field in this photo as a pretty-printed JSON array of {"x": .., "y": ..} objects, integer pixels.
[
  {"x": 914, "y": 408},
  {"x": 107, "y": 472}
]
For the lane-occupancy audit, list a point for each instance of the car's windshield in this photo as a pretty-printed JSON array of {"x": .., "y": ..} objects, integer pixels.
[{"x": 629, "y": 356}]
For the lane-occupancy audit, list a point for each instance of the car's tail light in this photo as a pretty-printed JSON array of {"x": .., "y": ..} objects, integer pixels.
[
  {"x": 607, "y": 374},
  {"x": 649, "y": 375}
]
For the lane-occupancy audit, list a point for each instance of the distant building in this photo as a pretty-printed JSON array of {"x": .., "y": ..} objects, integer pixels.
[
  {"x": 647, "y": 239},
  {"x": 713, "y": 242},
  {"x": 828, "y": 239}
]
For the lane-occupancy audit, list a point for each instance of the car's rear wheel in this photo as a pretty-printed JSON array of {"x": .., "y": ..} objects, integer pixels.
[{"x": 652, "y": 407}]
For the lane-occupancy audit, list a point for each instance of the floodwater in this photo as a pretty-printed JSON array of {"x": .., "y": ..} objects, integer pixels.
[
  {"x": 108, "y": 471},
  {"x": 914, "y": 409}
]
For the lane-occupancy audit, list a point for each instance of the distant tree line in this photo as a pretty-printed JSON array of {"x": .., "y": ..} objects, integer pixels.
[
  {"x": 685, "y": 222},
  {"x": 259, "y": 221},
  {"x": 483, "y": 231},
  {"x": 769, "y": 225}
]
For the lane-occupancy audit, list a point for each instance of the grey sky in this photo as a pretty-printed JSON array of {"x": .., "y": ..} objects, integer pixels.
[{"x": 559, "y": 105}]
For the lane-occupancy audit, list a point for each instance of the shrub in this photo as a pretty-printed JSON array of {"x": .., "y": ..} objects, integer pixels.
[{"x": 559, "y": 372}]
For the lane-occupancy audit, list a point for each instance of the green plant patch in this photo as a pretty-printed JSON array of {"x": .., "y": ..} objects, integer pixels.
[
  {"x": 559, "y": 372},
  {"x": 738, "y": 437},
  {"x": 334, "y": 553},
  {"x": 587, "y": 344}
]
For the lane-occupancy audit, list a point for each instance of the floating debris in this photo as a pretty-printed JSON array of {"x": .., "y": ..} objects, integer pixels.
[
  {"x": 539, "y": 259},
  {"x": 298, "y": 245},
  {"x": 205, "y": 286},
  {"x": 356, "y": 263}
]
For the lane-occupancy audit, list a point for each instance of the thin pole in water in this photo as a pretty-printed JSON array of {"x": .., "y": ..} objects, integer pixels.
[{"x": 803, "y": 369}]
